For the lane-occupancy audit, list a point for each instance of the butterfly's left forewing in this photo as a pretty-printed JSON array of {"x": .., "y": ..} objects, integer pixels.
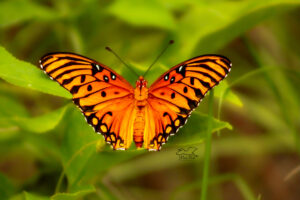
[
  {"x": 105, "y": 98},
  {"x": 178, "y": 92}
]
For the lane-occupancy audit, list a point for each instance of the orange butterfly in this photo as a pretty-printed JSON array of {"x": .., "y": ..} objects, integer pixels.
[{"x": 121, "y": 113}]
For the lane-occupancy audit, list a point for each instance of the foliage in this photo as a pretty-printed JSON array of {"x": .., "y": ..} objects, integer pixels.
[{"x": 47, "y": 149}]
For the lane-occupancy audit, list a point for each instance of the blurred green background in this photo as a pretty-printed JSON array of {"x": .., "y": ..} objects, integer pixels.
[{"x": 47, "y": 150}]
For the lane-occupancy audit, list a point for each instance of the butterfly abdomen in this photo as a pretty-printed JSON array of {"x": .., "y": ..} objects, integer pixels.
[{"x": 139, "y": 126}]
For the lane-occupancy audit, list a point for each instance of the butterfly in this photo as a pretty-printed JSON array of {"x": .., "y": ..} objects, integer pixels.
[{"x": 122, "y": 113}]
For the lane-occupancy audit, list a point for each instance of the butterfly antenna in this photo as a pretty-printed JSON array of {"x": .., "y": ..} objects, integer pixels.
[
  {"x": 130, "y": 68},
  {"x": 161, "y": 53}
]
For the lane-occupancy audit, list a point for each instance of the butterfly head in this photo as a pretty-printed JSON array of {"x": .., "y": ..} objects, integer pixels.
[
  {"x": 141, "y": 90},
  {"x": 141, "y": 83}
]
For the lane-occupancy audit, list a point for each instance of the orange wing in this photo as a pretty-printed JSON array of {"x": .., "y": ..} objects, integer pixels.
[
  {"x": 174, "y": 95},
  {"x": 104, "y": 97}
]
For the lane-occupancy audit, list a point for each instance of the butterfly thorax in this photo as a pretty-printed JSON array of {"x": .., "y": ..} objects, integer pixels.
[{"x": 141, "y": 90}]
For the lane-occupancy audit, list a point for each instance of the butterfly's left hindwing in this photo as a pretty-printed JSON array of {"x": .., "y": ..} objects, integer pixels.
[
  {"x": 178, "y": 92},
  {"x": 105, "y": 98}
]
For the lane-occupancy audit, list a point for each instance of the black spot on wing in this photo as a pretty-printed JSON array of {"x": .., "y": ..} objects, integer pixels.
[
  {"x": 75, "y": 89},
  {"x": 87, "y": 108},
  {"x": 76, "y": 102},
  {"x": 192, "y": 104},
  {"x": 192, "y": 80},
  {"x": 67, "y": 81},
  {"x": 105, "y": 78},
  {"x": 166, "y": 77},
  {"x": 113, "y": 76},
  {"x": 181, "y": 70},
  {"x": 183, "y": 111},
  {"x": 172, "y": 79},
  {"x": 198, "y": 93},
  {"x": 96, "y": 68},
  {"x": 185, "y": 89},
  {"x": 205, "y": 84},
  {"x": 173, "y": 95}
]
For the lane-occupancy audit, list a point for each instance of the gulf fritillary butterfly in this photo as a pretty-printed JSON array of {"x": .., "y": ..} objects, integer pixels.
[{"x": 121, "y": 113}]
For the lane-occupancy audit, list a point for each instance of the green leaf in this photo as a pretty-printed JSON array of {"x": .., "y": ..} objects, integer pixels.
[
  {"x": 26, "y": 75},
  {"x": 30, "y": 196},
  {"x": 6, "y": 187},
  {"x": 42, "y": 123},
  {"x": 230, "y": 96},
  {"x": 17, "y": 11},
  {"x": 82, "y": 156},
  {"x": 78, "y": 144},
  {"x": 10, "y": 107},
  {"x": 102, "y": 161},
  {"x": 43, "y": 148},
  {"x": 87, "y": 189},
  {"x": 195, "y": 128},
  {"x": 143, "y": 13},
  {"x": 227, "y": 20}
]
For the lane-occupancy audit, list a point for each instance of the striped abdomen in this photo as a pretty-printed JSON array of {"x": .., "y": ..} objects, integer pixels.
[{"x": 139, "y": 126}]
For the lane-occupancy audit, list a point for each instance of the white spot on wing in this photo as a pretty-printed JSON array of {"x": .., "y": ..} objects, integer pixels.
[
  {"x": 180, "y": 68},
  {"x": 166, "y": 77}
]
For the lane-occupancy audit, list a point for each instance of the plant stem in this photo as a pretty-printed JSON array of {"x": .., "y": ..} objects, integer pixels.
[{"x": 207, "y": 151}]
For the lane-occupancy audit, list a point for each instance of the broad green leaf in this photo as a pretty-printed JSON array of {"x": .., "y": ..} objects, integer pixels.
[
  {"x": 143, "y": 13},
  {"x": 31, "y": 196},
  {"x": 24, "y": 74},
  {"x": 42, "y": 123},
  {"x": 218, "y": 23},
  {"x": 87, "y": 189},
  {"x": 6, "y": 187},
  {"x": 17, "y": 11}
]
